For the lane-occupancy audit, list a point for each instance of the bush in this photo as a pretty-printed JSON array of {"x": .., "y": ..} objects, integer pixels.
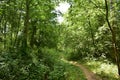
[
  {"x": 58, "y": 72},
  {"x": 36, "y": 64},
  {"x": 74, "y": 56}
]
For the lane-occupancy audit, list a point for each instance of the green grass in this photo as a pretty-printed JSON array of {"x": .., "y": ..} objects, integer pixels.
[
  {"x": 62, "y": 68},
  {"x": 105, "y": 69},
  {"x": 74, "y": 73}
]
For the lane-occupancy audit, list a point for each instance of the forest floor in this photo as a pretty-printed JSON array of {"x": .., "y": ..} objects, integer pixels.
[{"x": 89, "y": 74}]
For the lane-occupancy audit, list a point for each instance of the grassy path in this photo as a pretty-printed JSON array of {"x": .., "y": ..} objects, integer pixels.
[{"x": 89, "y": 74}]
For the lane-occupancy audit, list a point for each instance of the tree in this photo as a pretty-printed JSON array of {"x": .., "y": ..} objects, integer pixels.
[
  {"x": 27, "y": 27},
  {"x": 113, "y": 33},
  {"x": 83, "y": 22},
  {"x": 87, "y": 29}
]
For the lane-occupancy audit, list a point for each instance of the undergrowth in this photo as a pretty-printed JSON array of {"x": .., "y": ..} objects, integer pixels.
[
  {"x": 74, "y": 72},
  {"x": 37, "y": 64},
  {"x": 105, "y": 69}
]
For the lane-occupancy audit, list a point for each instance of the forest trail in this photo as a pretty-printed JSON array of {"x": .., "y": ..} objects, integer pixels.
[{"x": 89, "y": 74}]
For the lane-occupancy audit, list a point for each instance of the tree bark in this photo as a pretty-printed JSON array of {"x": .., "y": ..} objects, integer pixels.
[
  {"x": 26, "y": 25},
  {"x": 114, "y": 45}
]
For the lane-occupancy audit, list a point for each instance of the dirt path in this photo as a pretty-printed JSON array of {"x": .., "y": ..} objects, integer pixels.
[{"x": 89, "y": 75}]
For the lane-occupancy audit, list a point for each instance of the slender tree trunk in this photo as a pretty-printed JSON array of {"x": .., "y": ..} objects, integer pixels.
[
  {"x": 4, "y": 23},
  {"x": 16, "y": 42},
  {"x": 26, "y": 25},
  {"x": 5, "y": 40},
  {"x": 93, "y": 40},
  {"x": 92, "y": 34},
  {"x": 32, "y": 40},
  {"x": 114, "y": 45}
]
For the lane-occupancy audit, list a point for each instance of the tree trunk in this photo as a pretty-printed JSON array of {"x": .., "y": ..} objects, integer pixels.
[
  {"x": 114, "y": 45},
  {"x": 92, "y": 34},
  {"x": 26, "y": 25},
  {"x": 5, "y": 40},
  {"x": 18, "y": 28},
  {"x": 33, "y": 32}
]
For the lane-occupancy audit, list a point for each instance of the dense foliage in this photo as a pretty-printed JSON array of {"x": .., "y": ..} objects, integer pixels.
[
  {"x": 32, "y": 41},
  {"x": 91, "y": 29}
]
